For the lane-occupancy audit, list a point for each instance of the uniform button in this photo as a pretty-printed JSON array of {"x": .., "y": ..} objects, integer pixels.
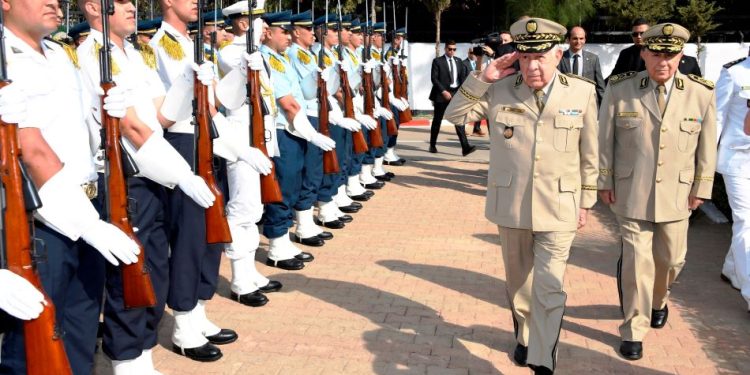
[
  {"x": 661, "y": 163},
  {"x": 537, "y": 158},
  {"x": 663, "y": 130},
  {"x": 658, "y": 180},
  {"x": 536, "y": 175},
  {"x": 661, "y": 146}
]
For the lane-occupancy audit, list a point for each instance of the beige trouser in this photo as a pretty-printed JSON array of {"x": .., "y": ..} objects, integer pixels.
[
  {"x": 534, "y": 268},
  {"x": 652, "y": 256}
]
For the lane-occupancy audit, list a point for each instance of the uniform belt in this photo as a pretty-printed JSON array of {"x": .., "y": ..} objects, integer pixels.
[
  {"x": 185, "y": 127},
  {"x": 91, "y": 190}
]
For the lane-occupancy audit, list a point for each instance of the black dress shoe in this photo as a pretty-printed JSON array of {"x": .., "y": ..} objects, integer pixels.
[
  {"x": 369, "y": 193},
  {"x": 314, "y": 241},
  {"x": 225, "y": 336},
  {"x": 361, "y": 198},
  {"x": 286, "y": 264},
  {"x": 350, "y": 209},
  {"x": 398, "y": 162},
  {"x": 304, "y": 257},
  {"x": 631, "y": 350},
  {"x": 206, "y": 353},
  {"x": 334, "y": 224},
  {"x": 390, "y": 174},
  {"x": 325, "y": 236},
  {"x": 726, "y": 280},
  {"x": 520, "y": 354},
  {"x": 272, "y": 286},
  {"x": 254, "y": 299},
  {"x": 433, "y": 150},
  {"x": 541, "y": 370},
  {"x": 356, "y": 205},
  {"x": 346, "y": 219},
  {"x": 375, "y": 185},
  {"x": 468, "y": 150},
  {"x": 383, "y": 178},
  {"x": 659, "y": 317}
]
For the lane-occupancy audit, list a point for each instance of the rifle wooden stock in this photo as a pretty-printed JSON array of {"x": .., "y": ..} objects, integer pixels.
[
  {"x": 358, "y": 139},
  {"x": 217, "y": 228},
  {"x": 403, "y": 91},
  {"x": 270, "y": 192},
  {"x": 330, "y": 160},
  {"x": 376, "y": 135},
  {"x": 390, "y": 124},
  {"x": 45, "y": 352},
  {"x": 136, "y": 283}
]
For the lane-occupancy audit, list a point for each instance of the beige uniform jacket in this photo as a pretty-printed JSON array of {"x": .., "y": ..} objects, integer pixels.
[
  {"x": 654, "y": 163},
  {"x": 543, "y": 167}
]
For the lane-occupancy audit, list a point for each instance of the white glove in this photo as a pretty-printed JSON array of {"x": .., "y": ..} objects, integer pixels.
[
  {"x": 331, "y": 77},
  {"x": 370, "y": 65},
  {"x": 112, "y": 243},
  {"x": 394, "y": 60},
  {"x": 18, "y": 297},
  {"x": 396, "y": 102},
  {"x": 257, "y": 160},
  {"x": 366, "y": 121},
  {"x": 13, "y": 104},
  {"x": 337, "y": 118},
  {"x": 344, "y": 66},
  {"x": 204, "y": 72},
  {"x": 384, "y": 113},
  {"x": 195, "y": 187},
  {"x": 254, "y": 61},
  {"x": 323, "y": 142},
  {"x": 405, "y": 102},
  {"x": 117, "y": 101}
]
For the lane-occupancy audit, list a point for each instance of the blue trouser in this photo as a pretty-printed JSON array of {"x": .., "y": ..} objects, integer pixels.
[
  {"x": 394, "y": 138},
  {"x": 343, "y": 150},
  {"x": 73, "y": 278},
  {"x": 193, "y": 265},
  {"x": 373, "y": 153},
  {"x": 314, "y": 187},
  {"x": 128, "y": 332},
  {"x": 289, "y": 169},
  {"x": 355, "y": 160}
]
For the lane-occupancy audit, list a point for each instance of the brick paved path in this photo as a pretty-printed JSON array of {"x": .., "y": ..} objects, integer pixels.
[{"x": 415, "y": 285}]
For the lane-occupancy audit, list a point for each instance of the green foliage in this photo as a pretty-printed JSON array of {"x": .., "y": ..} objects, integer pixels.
[
  {"x": 697, "y": 16},
  {"x": 565, "y": 12},
  {"x": 625, "y": 11}
]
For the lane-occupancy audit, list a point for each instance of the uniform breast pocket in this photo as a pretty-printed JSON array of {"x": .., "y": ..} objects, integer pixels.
[
  {"x": 568, "y": 196},
  {"x": 510, "y": 129},
  {"x": 688, "y": 138},
  {"x": 628, "y": 131},
  {"x": 499, "y": 192},
  {"x": 567, "y": 133}
]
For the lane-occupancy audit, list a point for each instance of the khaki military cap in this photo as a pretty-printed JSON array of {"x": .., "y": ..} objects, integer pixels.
[
  {"x": 536, "y": 34},
  {"x": 666, "y": 37}
]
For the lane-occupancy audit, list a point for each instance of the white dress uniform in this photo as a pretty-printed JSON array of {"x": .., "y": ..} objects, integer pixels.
[{"x": 732, "y": 103}]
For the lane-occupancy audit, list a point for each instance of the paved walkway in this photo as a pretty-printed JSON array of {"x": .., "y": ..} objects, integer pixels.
[{"x": 415, "y": 285}]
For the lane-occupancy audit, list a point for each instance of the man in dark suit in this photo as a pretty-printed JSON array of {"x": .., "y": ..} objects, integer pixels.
[
  {"x": 448, "y": 73},
  {"x": 582, "y": 63},
  {"x": 630, "y": 58}
]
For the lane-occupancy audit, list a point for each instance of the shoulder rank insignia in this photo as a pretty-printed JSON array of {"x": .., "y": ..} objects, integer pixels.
[
  {"x": 303, "y": 57},
  {"x": 70, "y": 51},
  {"x": 644, "y": 83},
  {"x": 621, "y": 77},
  {"x": 563, "y": 80},
  {"x": 735, "y": 62},
  {"x": 327, "y": 60},
  {"x": 679, "y": 83},
  {"x": 115, "y": 67},
  {"x": 702, "y": 81},
  {"x": 376, "y": 55},
  {"x": 519, "y": 80},
  {"x": 171, "y": 46},
  {"x": 276, "y": 64},
  {"x": 571, "y": 75}
]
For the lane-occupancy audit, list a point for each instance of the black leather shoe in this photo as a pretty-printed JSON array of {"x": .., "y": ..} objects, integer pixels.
[
  {"x": 286, "y": 264},
  {"x": 314, "y": 241},
  {"x": 520, "y": 354},
  {"x": 659, "y": 317},
  {"x": 390, "y": 174},
  {"x": 468, "y": 150},
  {"x": 356, "y": 205},
  {"x": 254, "y": 299},
  {"x": 375, "y": 185},
  {"x": 541, "y": 370},
  {"x": 335, "y": 224},
  {"x": 206, "y": 353},
  {"x": 350, "y": 209},
  {"x": 361, "y": 198},
  {"x": 304, "y": 257},
  {"x": 346, "y": 219},
  {"x": 383, "y": 178},
  {"x": 272, "y": 286},
  {"x": 631, "y": 350},
  {"x": 225, "y": 336},
  {"x": 398, "y": 162},
  {"x": 325, "y": 236},
  {"x": 369, "y": 193},
  {"x": 433, "y": 150}
]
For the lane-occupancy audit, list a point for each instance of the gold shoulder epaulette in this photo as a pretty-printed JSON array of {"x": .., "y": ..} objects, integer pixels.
[
  {"x": 171, "y": 46},
  {"x": 224, "y": 44},
  {"x": 115, "y": 67},
  {"x": 276, "y": 64},
  {"x": 571, "y": 75},
  {"x": 148, "y": 55},
  {"x": 375, "y": 55},
  {"x": 327, "y": 61},
  {"x": 702, "y": 81},
  {"x": 621, "y": 77},
  {"x": 735, "y": 62},
  {"x": 303, "y": 57},
  {"x": 69, "y": 50}
]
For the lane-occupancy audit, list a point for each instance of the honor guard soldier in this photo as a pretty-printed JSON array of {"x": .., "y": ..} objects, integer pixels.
[
  {"x": 657, "y": 157},
  {"x": 732, "y": 103},
  {"x": 295, "y": 134},
  {"x": 49, "y": 103},
  {"x": 244, "y": 208},
  {"x": 147, "y": 29},
  {"x": 377, "y": 48},
  {"x": 394, "y": 56},
  {"x": 79, "y": 33},
  {"x": 542, "y": 176},
  {"x": 194, "y": 265}
]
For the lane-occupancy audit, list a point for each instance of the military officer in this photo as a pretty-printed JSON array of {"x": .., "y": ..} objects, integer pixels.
[
  {"x": 394, "y": 56},
  {"x": 732, "y": 99},
  {"x": 657, "y": 158},
  {"x": 147, "y": 29},
  {"x": 542, "y": 175}
]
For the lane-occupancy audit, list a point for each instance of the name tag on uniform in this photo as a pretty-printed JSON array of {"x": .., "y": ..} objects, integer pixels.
[
  {"x": 514, "y": 110},
  {"x": 571, "y": 112},
  {"x": 627, "y": 114}
]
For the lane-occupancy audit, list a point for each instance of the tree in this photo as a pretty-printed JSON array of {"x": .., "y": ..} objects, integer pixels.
[
  {"x": 565, "y": 12},
  {"x": 437, "y": 7},
  {"x": 697, "y": 16},
  {"x": 625, "y": 11}
]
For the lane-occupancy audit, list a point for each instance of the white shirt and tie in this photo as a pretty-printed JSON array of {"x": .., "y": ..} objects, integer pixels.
[
  {"x": 453, "y": 72},
  {"x": 576, "y": 67}
]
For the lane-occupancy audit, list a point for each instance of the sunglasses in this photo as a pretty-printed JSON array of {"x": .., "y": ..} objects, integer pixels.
[
  {"x": 452, "y": 49},
  {"x": 636, "y": 33}
]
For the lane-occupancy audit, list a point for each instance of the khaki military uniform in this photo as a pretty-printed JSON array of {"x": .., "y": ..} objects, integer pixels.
[
  {"x": 654, "y": 162},
  {"x": 543, "y": 168}
]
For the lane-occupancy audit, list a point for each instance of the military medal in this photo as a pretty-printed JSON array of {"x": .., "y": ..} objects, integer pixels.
[{"x": 508, "y": 132}]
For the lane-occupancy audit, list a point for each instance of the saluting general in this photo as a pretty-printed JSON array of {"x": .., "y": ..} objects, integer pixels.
[
  {"x": 657, "y": 158},
  {"x": 542, "y": 175}
]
